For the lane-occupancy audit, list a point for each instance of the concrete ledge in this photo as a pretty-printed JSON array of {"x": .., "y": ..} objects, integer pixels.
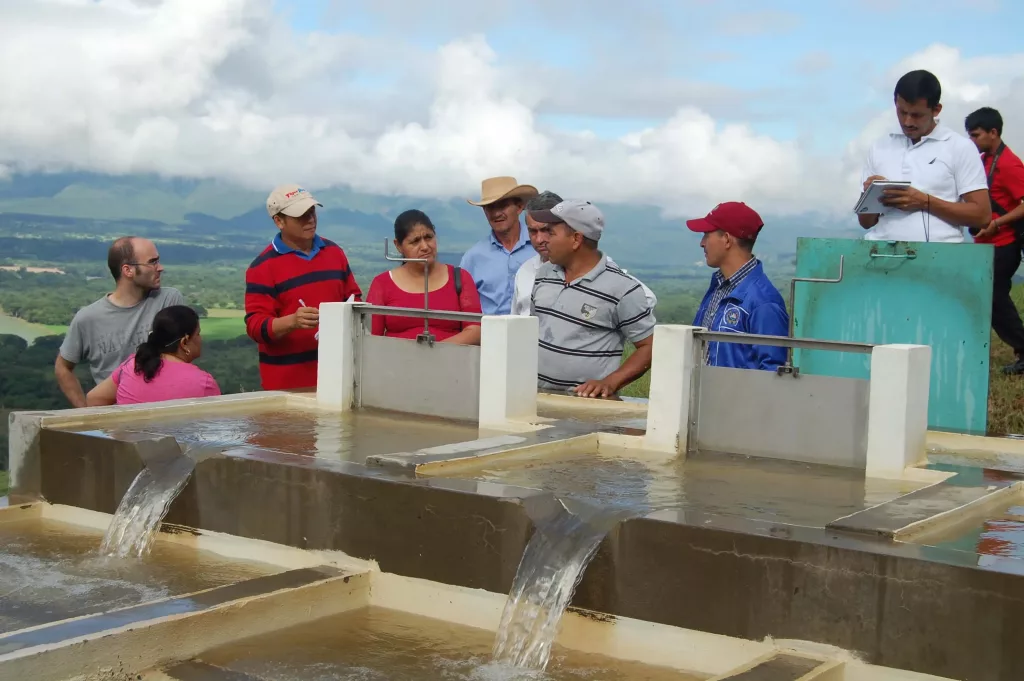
[
  {"x": 25, "y": 426},
  {"x": 507, "y": 447},
  {"x": 227, "y": 546},
  {"x": 784, "y": 667},
  {"x": 122, "y": 643},
  {"x": 927, "y": 508},
  {"x": 165, "y": 645}
]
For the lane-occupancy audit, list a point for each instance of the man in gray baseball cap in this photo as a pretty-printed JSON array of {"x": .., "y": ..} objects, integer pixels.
[{"x": 587, "y": 309}]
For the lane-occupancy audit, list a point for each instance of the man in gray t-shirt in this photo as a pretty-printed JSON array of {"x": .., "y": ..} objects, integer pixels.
[
  {"x": 587, "y": 308},
  {"x": 107, "y": 332}
]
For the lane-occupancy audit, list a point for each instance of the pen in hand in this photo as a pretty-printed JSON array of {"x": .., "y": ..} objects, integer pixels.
[{"x": 316, "y": 336}]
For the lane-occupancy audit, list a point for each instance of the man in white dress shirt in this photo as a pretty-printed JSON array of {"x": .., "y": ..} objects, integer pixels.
[
  {"x": 949, "y": 190},
  {"x": 539, "y": 233}
]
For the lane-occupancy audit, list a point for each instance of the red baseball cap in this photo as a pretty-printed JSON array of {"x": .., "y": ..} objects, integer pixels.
[{"x": 734, "y": 218}]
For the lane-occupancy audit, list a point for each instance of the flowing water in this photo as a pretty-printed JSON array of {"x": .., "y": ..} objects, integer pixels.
[
  {"x": 550, "y": 570},
  {"x": 348, "y": 436},
  {"x": 143, "y": 507},
  {"x": 376, "y": 644},
  {"x": 623, "y": 486},
  {"x": 137, "y": 518}
]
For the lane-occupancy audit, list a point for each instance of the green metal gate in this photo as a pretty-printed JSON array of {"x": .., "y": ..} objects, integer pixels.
[{"x": 902, "y": 292}]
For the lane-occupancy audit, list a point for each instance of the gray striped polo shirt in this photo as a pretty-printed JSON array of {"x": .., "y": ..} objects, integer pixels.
[{"x": 584, "y": 325}]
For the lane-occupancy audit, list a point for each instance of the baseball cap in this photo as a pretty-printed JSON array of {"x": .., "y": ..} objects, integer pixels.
[
  {"x": 582, "y": 216},
  {"x": 290, "y": 199},
  {"x": 734, "y": 218}
]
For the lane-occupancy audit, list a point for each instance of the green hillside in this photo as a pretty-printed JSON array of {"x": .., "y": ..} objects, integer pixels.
[{"x": 638, "y": 237}]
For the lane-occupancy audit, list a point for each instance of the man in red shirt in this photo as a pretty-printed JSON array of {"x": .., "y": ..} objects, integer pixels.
[
  {"x": 285, "y": 286},
  {"x": 1006, "y": 230}
]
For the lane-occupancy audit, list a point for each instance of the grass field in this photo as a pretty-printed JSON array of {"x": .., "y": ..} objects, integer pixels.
[
  {"x": 223, "y": 324},
  {"x": 1005, "y": 393}
]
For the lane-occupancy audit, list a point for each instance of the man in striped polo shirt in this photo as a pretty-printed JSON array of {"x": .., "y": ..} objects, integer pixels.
[
  {"x": 285, "y": 286},
  {"x": 587, "y": 308}
]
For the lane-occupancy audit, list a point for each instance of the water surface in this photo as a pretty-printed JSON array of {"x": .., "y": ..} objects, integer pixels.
[
  {"x": 340, "y": 436},
  {"x": 51, "y": 571},
  {"x": 723, "y": 484},
  {"x": 993, "y": 536},
  {"x": 374, "y": 644}
]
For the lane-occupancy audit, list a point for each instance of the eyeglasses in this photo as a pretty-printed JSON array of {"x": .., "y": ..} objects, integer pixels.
[{"x": 152, "y": 263}]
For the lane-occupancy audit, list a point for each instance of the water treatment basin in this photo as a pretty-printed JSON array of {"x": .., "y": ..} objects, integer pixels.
[
  {"x": 311, "y": 616},
  {"x": 378, "y": 643},
  {"x": 51, "y": 570},
  {"x": 743, "y": 549},
  {"x": 340, "y": 436},
  {"x": 769, "y": 490}
]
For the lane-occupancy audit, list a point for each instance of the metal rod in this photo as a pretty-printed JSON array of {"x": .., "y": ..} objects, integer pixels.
[
  {"x": 416, "y": 312},
  {"x": 783, "y": 341},
  {"x": 427, "y": 336},
  {"x": 792, "y": 301},
  {"x": 909, "y": 255},
  {"x": 361, "y": 334}
]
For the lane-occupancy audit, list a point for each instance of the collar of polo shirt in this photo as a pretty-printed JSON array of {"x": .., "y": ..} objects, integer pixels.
[{"x": 940, "y": 133}]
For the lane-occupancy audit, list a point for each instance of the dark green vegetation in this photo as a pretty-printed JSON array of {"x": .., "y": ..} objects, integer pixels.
[{"x": 27, "y": 381}]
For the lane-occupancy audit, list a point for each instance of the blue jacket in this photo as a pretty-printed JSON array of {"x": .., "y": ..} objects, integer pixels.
[{"x": 754, "y": 307}]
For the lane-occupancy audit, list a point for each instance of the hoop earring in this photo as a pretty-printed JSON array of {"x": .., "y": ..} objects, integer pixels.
[{"x": 188, "y": 353}]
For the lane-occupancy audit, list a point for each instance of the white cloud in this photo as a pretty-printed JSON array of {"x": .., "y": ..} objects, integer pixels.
[
  {"x": 222, "y": 88},
  {"x": 967, "y": 84}
]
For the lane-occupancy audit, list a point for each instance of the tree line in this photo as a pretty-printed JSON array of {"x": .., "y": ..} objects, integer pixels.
[{"x": 27, "y": 382}]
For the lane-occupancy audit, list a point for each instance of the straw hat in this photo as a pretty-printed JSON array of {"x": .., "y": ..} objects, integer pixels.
[{"x": 495, "y": 189}]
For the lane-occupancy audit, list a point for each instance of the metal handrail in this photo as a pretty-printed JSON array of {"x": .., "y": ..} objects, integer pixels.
[
  {"x": 366, "y": 309},
  {"x": 789, "y": 368},
  {"x": 783, "y": 341}
]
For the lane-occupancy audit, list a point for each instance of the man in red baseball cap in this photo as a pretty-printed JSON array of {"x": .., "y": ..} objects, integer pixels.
[{"x": 741, "y": 298}]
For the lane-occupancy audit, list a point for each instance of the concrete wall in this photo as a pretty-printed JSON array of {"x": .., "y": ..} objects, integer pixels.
[{"x": 742, "y": 578}]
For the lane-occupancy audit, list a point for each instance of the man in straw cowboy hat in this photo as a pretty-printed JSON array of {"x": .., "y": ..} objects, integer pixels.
[{"x": 494, "y": 261}]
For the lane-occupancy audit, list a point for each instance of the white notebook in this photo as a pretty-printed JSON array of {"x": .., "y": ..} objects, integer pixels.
[{"x": 869, "y": 204}]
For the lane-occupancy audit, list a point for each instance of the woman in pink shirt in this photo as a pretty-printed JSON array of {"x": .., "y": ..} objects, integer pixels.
[
  {"x": 161, "y": 368},
  {"x": 415, "y": 237}
]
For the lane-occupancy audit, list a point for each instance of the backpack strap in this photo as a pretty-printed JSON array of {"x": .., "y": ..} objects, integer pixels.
[{"x": 457, "y": 273}]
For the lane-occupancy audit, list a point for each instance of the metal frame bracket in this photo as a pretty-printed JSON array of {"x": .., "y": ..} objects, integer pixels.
[
  {"x": 788, "y": 368},
  {"x": 426, "y": 336}
]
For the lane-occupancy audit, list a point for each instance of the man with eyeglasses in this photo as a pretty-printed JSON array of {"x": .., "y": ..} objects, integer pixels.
[{"x": 106, "y": 332}]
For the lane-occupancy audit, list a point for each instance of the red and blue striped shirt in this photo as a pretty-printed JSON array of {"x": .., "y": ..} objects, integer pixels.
[{"x": 275, "y": 283}]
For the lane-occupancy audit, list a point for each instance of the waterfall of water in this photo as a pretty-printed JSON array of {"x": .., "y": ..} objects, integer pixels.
[
  {"x": 548, "y": 574},
  {"x": 144, "y": 505}
]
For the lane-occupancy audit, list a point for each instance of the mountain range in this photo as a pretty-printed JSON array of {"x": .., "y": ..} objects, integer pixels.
[{"x": 638, "y": 237}]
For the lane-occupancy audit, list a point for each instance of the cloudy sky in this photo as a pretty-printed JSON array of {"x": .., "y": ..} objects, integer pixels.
[{"x": 676, "y": 103}]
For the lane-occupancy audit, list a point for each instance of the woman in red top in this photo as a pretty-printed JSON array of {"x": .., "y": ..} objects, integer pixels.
[{"x": 415, "y": 237}]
